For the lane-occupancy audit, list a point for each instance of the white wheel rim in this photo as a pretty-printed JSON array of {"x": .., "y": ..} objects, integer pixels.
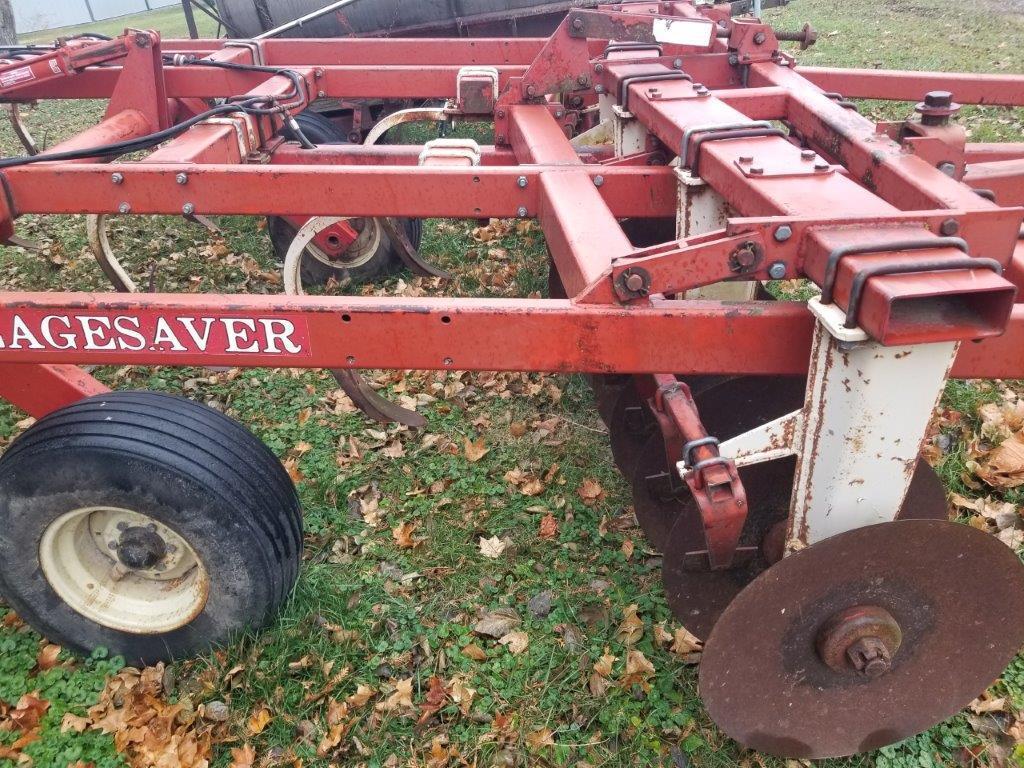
[
  {"x": 362, "y": 249},
  {"x": 83, "y": 553},
  {"x": 365, "y": 247}
]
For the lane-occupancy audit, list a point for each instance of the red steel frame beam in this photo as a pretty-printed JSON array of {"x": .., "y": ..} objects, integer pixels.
[
  {"x": 540, "y": 174},
  {"x": 895, "y": 85},
  {"x": 301, "y": 190},
  {"x": 763, "y": 338}
]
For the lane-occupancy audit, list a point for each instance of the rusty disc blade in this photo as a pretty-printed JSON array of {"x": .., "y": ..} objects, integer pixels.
[
  {"x": 734, "y": 406},
  {"x": 607, "y": 388},
  {"x": 926, "y": 496},
  {"x": 659, "y": 494},
  {"x": 728, "y": 407},
  {"x": 697, "y": 597},
  {"x": 630, "y": 427},
  {"x": 956, "y": 593}
]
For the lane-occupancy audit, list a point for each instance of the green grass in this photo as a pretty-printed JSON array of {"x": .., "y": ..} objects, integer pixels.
[{"x": 408, "y": 613}]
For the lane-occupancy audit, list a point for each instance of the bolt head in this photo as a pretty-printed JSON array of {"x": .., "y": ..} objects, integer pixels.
[
  {"x": 188, "y": 209},
  {"x": 948, "y": 168},
  {"x": 599, "y": 88},
  {"x": 599, "y": 181},
  {"x": 777, "y": 271},
  {"x": 181, "y": 178},
  {"x": 577, "y": 24},
  {"x": 940, "y": 99},
  {"x": 124, "y": 208},
  {"x": 522, "y": 212},
  {"x": 117, "y": 178},
  {"x": 783, "y": 233},
  {"x": 949, "y": 228},
  {"x": 759, "y": 38},
  {"x": 821, "y": 165},
  {"x": 522, "y": 182},
  {"x": 634, "y": 282},
  {"x": 808, "y": 154},
  {"x": 677, "y": 64}
]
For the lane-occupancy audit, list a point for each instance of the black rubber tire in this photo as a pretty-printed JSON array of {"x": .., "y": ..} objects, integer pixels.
[
  {"x": 386, "y": 261},
  {"x": 189, "y": 467}
]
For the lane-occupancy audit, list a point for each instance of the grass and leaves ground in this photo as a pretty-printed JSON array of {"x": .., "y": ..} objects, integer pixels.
[{"x": 476, "y": 592}]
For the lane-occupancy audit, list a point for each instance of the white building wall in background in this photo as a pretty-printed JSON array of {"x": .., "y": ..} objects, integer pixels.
[{"x": 36, "y": 15}]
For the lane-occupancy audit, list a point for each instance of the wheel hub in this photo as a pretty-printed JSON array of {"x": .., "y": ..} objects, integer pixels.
[
  {"x": 862, "y": 639},
  {"x": 124, "y": 570},
  {"x": 141, "y": 548}
]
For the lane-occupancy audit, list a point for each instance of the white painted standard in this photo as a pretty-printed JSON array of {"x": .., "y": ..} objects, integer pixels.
[
  {"x": 630, "y": 135},
  {"x": 702, "y": 210},
  {"x": 859, "y": 434},
  {"x": 867, "y": 412}
]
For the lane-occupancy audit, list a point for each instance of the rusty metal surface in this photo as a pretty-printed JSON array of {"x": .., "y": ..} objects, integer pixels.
[
  {"x": 629, "y": 430},
  {"x": 698, "y": 596},
  {"x": 727, "y": 408},
  {"x": 768, "y": 688},
  {"x": 373, "y": 405}
]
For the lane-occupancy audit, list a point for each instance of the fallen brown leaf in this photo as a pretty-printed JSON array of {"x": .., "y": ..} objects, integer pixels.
[
  {"x": 516, "y": 642},
  {"x": 631, "y": 629},
  {"x": 437, "y": 696},
  {"x": 590, "y": 491},
  {"x": 259, "y": 720},
  {"x": 492, "y": 547},
  {"x": 48, "y": 657},
  {"x": 548, "y": 527},
  {"x": 475, "y": 450},
  {"x": 403, "y": 535},
  {"x": 474, "y": 652},
  {"x": 243, "y": 757}
]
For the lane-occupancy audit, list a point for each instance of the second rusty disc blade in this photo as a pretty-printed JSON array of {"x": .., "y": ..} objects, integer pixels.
[
  {"x": 697, "y": 597},
  {"x": 630, "y": 427}
]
